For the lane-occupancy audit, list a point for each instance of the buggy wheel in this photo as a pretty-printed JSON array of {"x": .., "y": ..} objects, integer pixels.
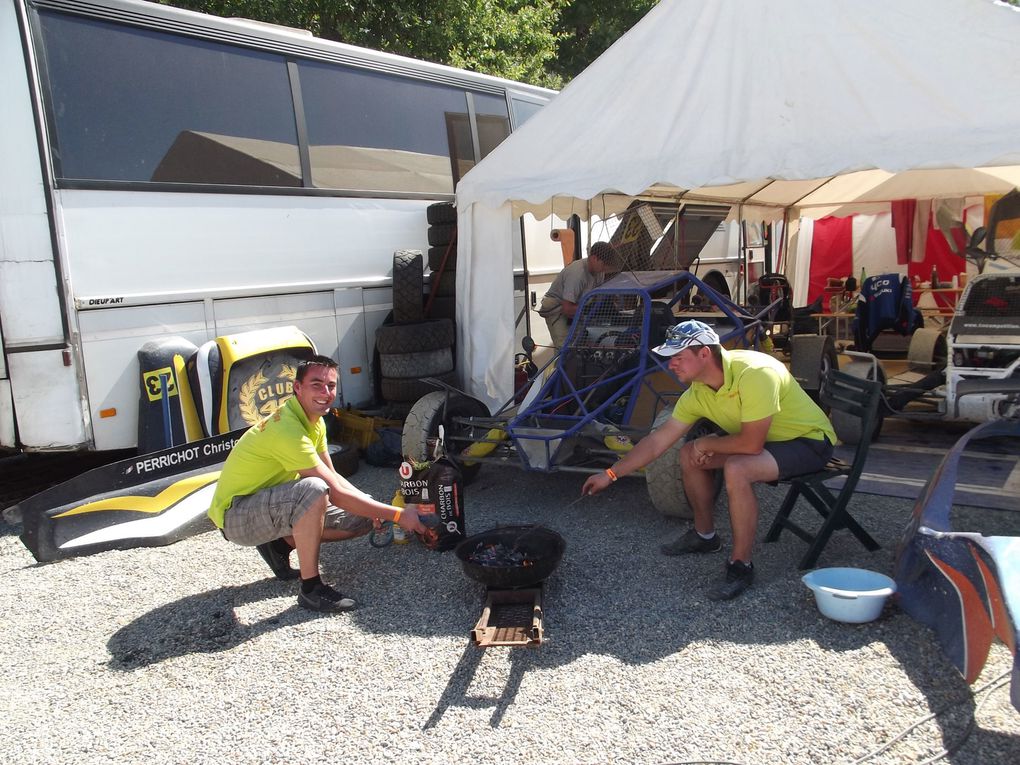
[
  {"x": 663, "y": 476},
  {"x": 431, "y": 411},
  {"x": 811, "y": 358},
  {"x": 408, "y": 389},
  {"x": 928, "y": 351},
  {"x": 847, "y": 426}
]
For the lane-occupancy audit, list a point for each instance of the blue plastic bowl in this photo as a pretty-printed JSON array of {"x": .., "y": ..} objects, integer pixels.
[{"x": 853, "y": 595}]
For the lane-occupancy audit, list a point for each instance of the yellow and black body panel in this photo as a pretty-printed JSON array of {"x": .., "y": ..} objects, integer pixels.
[
  {"x": 166, "y": 407},
  {"x": 146, "y": 501},
  {"x": 239, "y": 379}
]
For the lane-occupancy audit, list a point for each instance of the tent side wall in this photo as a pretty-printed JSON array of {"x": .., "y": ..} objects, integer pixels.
[{"x": 485, "y": 336}]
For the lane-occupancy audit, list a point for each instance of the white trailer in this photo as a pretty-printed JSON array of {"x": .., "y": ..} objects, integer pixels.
[{"x": 168, "y": 173}]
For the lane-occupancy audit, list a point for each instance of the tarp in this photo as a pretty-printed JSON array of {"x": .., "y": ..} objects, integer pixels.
[{"x": 815, "y": 105}]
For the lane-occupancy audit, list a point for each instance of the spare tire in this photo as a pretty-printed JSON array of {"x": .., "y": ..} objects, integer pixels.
[
  {"x": 440, "y": 213},
  {"x": 431, "y": 335},
  {"x": 441, "y": 234},
  {"x": 419, "y": 364},
  {"x": 436, "y": 255},
  {"x": 408, "y": 286}
]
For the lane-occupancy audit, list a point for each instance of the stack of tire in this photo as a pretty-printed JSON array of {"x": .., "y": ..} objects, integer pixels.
[
  {"x": 411, "y": 347},
  {"x": 442, "y": 260}
]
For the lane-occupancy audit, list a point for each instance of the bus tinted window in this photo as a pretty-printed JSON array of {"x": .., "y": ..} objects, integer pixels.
[
  {"x": 493, "y": 121},
  {"x": 135, "y": 105},
  {"x": 372, "y": 131}
]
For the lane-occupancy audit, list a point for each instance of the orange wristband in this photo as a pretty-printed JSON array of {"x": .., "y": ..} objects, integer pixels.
[
  {"x": 611, "y": 474},
  {"x": 397, "y": 512}
]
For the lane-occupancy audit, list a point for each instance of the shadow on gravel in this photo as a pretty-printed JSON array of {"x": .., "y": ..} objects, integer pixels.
[{"x": 201, "y": 623}]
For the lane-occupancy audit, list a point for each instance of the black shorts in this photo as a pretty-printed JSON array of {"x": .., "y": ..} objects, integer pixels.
[{"x": 799, "y": 456}]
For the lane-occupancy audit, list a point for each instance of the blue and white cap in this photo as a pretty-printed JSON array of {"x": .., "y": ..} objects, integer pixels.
[{"x": 685, "y": 334}]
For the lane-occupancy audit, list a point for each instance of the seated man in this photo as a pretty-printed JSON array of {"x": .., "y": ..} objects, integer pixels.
[
  {"x": 278, "y": 484},
  {"x": 773, "y": 430},
  {"x": 560, "y": 303}
]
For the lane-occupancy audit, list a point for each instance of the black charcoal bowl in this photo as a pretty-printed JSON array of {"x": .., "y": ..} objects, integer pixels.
[{"x": 541, "y": 545}]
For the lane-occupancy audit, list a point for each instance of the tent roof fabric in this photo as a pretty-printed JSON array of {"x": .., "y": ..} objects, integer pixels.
[
  {"x": 827, "y": 106},
  {"x": 764, "y": 103}
]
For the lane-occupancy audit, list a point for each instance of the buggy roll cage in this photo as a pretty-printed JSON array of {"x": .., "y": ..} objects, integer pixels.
[{"x": 606, "y": 362}]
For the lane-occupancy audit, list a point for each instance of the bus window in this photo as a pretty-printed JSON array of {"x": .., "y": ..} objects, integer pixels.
[
  {"x": 129, "y": 104},
  {"x": 524, "y": 110},
  {"x": 493, "y": 121},
  {"x": 372, "y": 131}
]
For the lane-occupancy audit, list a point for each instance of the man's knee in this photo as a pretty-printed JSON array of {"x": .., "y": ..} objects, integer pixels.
[{"x": 312, "y": 494}]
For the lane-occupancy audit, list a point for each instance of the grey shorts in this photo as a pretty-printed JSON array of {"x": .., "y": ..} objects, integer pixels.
[
  {"x": 271, "y": 513},
  {"x": 799, "y": 456}
]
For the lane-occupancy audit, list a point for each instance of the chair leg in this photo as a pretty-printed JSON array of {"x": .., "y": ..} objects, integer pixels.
[{"x": 782, "y": 517}]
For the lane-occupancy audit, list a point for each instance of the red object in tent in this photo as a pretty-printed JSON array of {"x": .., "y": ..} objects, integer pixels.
[
  {"x": 831, "y": 254},
  {"x": 938, "y": 255},
  {"x": 903, "y": 211}
]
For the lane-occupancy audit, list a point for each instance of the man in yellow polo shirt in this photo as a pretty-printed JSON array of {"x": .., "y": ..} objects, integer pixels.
[
  {"x": 772, "y": 430},
  {"x": 278, "y": 490}
]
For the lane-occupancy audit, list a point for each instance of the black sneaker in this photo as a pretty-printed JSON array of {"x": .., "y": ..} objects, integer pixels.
[
  {"x": 324, "y": 598},
  {"x": 279, "y": 562},
  {"x": 692, "y": 542},
  {"x": 739, "y": 576}
]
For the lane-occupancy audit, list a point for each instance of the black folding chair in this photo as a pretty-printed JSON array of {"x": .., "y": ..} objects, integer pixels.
[{"x": 859, "y": 398}]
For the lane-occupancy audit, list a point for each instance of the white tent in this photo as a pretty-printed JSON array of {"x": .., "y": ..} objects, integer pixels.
[{"x": 807, "y": 104}]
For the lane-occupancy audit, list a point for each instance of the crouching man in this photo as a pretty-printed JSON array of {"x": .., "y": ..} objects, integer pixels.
[
  {"x": 278, "y": 490},
  {"x": 773, "y": 430}
]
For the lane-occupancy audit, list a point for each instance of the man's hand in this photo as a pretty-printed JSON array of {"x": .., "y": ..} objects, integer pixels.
[
  {"x": 595, "y": 484},
  {"x": 409, "y": 520},
  {"x": 703, "y": 451}
]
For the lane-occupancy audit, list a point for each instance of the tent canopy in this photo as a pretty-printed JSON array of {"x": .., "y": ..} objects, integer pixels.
[{"x": 826, "y": 106}]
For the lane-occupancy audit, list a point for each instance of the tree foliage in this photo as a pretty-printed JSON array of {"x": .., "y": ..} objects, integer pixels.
[
  {"x": 587, "y": 27},
  {"x": 543, "y": 42},
  {"x": 507, "y": 38}
]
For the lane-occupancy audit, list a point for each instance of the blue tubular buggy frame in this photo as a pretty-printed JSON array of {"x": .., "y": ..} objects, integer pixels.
[{"x": 606, "y": 363}]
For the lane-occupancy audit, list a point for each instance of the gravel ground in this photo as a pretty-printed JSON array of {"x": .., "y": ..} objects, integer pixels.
[{"x": 193, "y": 653}]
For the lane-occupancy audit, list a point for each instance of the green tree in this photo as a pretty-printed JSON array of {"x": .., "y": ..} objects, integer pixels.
[
  {"x": 587, "y": 27},
  {"x": 506, "y": 38}
]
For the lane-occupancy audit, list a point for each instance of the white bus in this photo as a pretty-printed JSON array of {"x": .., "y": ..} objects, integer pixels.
[{"x": 172, "y": 174}]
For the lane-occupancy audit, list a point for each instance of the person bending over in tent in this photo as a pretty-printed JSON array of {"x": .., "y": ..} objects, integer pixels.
[
  {"x": 278, "y": 490},
  {"x": 772, "y": 430},
  {"x": 560, "y": 303}
]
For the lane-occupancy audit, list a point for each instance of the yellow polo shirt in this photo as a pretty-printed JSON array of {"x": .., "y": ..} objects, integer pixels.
[
  {"x": 756, "y": 386},
  {"x": 268, "y": 454}
]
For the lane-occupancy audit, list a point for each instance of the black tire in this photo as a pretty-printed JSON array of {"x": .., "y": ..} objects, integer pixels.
[
  {"x": 420, "y": 364},
  {"x": 411, "y": 388},
  {"x": 430, "y": 335},
  {"x": 444, "y": 307},
  {"x": 440, "y": 213},
  {"x": 445, "y": 285},
  {"x": 441, "y": 235},
  {"x": 344, "y": 458},
  {"x": 425, "y": 417},
  {"x": 436, "y": 258},
  {"x": 811, "y": 358},
  {"x": 664, "y": 477},
  {"x": 928, "y": 351},
  {"x": 408, "y": 286},
  {"x": 847, "y": 426}
]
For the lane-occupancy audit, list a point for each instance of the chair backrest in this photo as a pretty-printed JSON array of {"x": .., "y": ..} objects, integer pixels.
[{"x": 859, "y": 398}]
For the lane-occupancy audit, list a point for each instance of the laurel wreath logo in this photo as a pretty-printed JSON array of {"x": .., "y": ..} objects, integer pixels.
[{"x": 246, "y": 397}]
